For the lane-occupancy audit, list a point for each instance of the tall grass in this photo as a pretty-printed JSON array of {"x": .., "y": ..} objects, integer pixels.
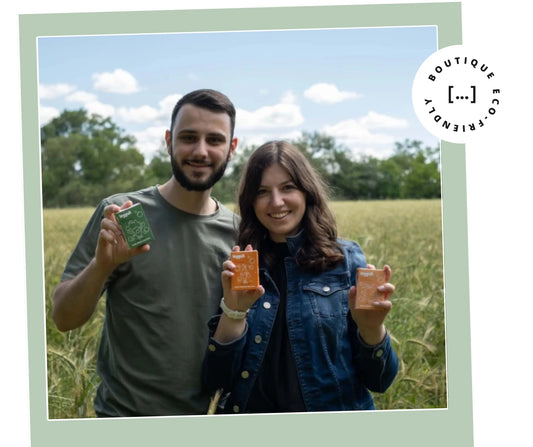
[
  {"x": 403, "y": 234},
  {"x": 407, "y": 235},
  {"x": 71, "y": 356}
]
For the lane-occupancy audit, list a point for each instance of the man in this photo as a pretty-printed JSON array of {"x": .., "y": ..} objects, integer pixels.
[{"x": 160, "y": 295}]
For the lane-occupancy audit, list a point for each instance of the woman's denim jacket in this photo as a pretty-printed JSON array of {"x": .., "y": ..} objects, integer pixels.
[{"x": 335, "y": 367}]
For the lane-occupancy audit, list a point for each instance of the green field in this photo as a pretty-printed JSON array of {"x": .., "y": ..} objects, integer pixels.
[{"x": 407, "y": 235}]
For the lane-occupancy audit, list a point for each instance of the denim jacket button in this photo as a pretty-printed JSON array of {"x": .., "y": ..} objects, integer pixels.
[
  {"x": 245, "y": 374},
  {"x": 326, "y": 288},
  {"x": 258, "y": 339},
  {"x": 266, "y": 305},
  {"x": 379, "y": 353}
]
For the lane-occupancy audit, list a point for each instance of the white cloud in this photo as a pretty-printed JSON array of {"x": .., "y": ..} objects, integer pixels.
[
  {"x": 150, "y": 140},
  {"x": 82, "y": 97},
  {"x": 258, "y": 138},
  {"x": 279, "y": 115},
  {"x": 166, "y": 105},
  {"x": 120, "y": 81},
  {"x": 351, "y": 132},
  {"x": 99, "y": 108},
  {"x": 374, "y": 120},
  {"x": 138, "y": 114},
  {"x": 54, "y": 90},
  {"x": 282, "y": 115},
  {"x": 288, "y": 98},
  {"x": 360, "y": 131},
  {"x": 89, "y": 101},
  {"x": 149, "y": 114},
  {"x": 46, "y": 114},
  {"x": 168, "y": 102},
  {"x": 328, "y": 93}
]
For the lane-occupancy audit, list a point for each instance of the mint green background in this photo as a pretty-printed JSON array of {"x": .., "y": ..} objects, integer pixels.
[{"x": 412, "y": 428}]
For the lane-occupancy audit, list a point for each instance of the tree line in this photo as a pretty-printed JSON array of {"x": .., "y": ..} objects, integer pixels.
[{"x": 86, "y": 158}]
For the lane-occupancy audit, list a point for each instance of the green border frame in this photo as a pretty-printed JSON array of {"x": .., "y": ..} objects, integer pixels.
[{"x": 440, "y": 427}]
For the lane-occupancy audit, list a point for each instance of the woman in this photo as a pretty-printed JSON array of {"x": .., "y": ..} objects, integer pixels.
[{"x": 296, "y": 342}]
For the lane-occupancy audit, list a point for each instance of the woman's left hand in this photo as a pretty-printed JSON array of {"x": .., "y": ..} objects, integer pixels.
[{"x": 371, "y": 321}]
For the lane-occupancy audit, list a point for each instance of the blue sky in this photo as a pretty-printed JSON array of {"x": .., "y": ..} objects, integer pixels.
[{"x": 353, "y": 84}]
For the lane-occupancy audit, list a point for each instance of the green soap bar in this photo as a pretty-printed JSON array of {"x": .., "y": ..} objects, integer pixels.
[{"x": 135, "y": 226}]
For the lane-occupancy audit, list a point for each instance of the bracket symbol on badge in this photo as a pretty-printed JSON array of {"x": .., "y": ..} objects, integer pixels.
[{"x": 450, "y": 98}]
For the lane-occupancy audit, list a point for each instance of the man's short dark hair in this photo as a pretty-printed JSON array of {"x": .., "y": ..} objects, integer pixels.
[{"x": 208, "y": 99}]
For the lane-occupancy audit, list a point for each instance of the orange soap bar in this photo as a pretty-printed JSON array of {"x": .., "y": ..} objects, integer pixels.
[
  {"x": 246, "y": 271},
  {"x": 368, "y": 281}
]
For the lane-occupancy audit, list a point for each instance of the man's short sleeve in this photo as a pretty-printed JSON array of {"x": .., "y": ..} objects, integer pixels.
[{"x": 86, "y": 246}]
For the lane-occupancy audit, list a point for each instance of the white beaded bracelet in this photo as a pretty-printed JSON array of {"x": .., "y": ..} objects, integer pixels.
[{"x": 230, "y": 313}]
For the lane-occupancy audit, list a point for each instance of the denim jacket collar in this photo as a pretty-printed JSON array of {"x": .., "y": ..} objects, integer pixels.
[{"x": 295, "y": 242}]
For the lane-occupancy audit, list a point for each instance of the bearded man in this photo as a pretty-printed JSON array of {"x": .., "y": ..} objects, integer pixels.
[{"x": 159, "y": 295}]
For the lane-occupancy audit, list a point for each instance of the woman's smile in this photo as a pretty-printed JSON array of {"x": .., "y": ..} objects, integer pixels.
[{"x": 279, "y": 215}]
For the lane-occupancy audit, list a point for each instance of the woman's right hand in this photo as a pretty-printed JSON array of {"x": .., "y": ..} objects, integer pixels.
[
  {"x": 229, "y": 329},
  {"x": 240, "y": 300}
]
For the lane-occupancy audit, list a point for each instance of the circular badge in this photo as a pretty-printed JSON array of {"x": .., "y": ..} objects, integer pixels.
[{"x": 456, "y": 94}]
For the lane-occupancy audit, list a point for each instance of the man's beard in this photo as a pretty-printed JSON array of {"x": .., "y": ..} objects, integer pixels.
[{"x": 197, "y": 185}]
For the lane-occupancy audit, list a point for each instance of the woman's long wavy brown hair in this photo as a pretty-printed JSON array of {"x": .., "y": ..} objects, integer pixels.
[{"x": 320, "y": 250}]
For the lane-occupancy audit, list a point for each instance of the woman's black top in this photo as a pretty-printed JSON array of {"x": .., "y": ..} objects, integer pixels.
[{"x": 277, "y": 389}]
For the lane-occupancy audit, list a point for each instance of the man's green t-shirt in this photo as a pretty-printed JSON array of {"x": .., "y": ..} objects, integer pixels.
[{"x": 157, "y": 307}]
